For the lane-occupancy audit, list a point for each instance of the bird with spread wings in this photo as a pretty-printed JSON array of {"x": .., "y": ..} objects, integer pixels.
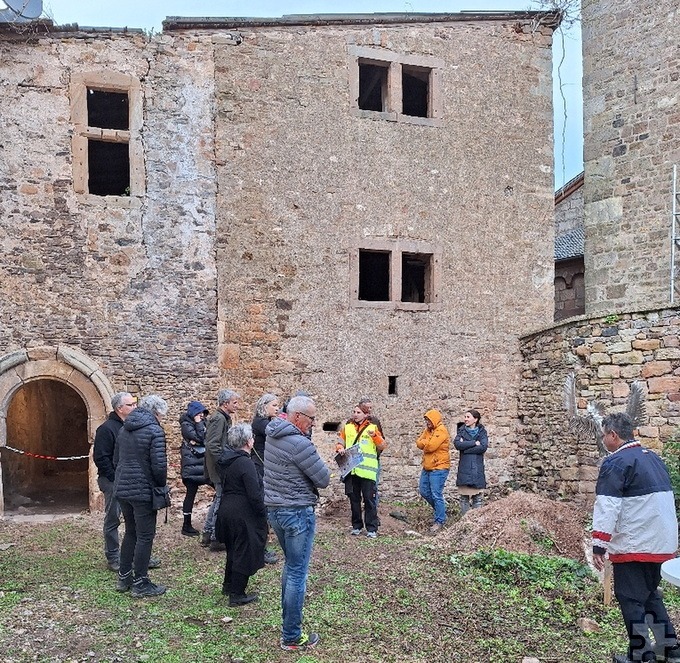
[{"x": 590, "y": 423}]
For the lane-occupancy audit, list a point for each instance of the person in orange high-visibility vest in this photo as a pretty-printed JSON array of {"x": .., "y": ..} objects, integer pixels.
[{"x": 360, "y": 483}]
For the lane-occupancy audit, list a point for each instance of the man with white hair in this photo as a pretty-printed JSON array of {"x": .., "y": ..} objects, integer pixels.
[
  {"x": 122, "y": 404},
  {"x": 293, "y": 473}
]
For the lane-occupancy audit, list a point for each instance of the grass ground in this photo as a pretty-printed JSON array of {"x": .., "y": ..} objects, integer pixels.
[{"x": 400, "y": 598}]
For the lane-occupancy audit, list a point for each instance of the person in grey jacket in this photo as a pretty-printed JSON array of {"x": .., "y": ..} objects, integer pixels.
[
  {"x": 141, "y": 464},
  {"x": 293, "y": 474}
]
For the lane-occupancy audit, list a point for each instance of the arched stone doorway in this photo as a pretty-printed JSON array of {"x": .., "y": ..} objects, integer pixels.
[
  {"x": 52, "y": 399},
  {"x": 47, "y": 420}
]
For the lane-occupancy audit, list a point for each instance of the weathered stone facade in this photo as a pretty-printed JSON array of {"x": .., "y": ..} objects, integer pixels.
[
  {"x": 606, "y": 354},
  {"x": 237, "y": 263},
  {"x": 632, "y": 140}
]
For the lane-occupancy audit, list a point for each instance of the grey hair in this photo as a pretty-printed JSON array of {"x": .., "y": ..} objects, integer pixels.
[
  {"x": 262, "y": 403},
  {"x": 239, "y": 435},
  {"x": 299, "y": 404},
  {"x": 154, "y": 404},
  {"x": 620, "y": 423},
  {"x": 225, "y": 395},
  {"x": 117, "y": 399}
]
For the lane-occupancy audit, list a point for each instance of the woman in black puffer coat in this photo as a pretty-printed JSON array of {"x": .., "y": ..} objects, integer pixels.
[
  {"x": 141, "y": 465},
  {"x": 472, "y": 441},
  {"x": 192, "y": 424}
]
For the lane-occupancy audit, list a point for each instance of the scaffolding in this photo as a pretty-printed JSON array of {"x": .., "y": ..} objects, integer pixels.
[{"x": 675, "y": 229}]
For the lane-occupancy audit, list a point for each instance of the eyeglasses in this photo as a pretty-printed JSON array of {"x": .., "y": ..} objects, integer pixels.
[
  {"x": 312, "y": 419},
  {"x": 129, "y": 405}
]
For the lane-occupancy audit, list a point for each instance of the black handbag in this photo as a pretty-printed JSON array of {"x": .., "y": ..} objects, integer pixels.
[
  {"x": 197, "y": 450},
  {"x": 160, "y": 497}
]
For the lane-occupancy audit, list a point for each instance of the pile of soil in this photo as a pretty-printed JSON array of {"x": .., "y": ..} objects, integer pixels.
[{"x": 522, "y": 523}]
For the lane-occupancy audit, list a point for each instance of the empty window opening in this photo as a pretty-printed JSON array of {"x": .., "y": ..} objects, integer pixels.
[
  {"x": 415, "y": 85},
  {"x": 108, "y": 110},
  {"x": 392, "y": 385},
  {"x": 374, "y": 276},
  {"x": 372, "y": 86},
  {"x": 331, "y": 426},
  {"x": 416, "y": 277},
  {"x": 109, "y": 168}
]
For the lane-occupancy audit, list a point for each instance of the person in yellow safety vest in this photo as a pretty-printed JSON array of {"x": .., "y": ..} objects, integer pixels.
[{"x": 360, "y": 483}]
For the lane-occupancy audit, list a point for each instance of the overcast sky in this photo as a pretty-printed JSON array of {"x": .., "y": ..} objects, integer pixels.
[{"x": 149, "y": 14}]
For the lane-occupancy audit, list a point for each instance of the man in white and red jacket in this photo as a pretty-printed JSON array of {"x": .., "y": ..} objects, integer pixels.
[{"x": 634, "y": 522}]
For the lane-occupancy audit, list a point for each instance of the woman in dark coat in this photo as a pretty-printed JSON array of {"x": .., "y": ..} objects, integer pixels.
[
  {"x": 242, "y": 517},
  {"x": 192, "y": 424},
  {"x": 141, "y": 465},
  {"x": 472, "y": 442},
  {"x": 266, "y": 409}
]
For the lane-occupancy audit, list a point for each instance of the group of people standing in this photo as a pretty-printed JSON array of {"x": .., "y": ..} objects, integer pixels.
[{"x": 266, "y": 476}]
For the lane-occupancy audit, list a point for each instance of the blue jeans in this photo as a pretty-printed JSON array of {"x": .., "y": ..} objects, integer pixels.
[
  {"x": 212, "y": 513},
  {"x": 432, "y": 490},
  {"x": 111, "y": 520},
  {"x": 294, "y": 528}
]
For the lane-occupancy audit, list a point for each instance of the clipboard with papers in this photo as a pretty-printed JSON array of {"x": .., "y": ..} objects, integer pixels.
[{"x": 349, "y": 460}]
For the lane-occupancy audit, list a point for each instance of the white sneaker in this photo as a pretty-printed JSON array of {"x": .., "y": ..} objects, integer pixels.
[
  {"x": 356, "y": 532},
  {"x": 372, "y": 535}
]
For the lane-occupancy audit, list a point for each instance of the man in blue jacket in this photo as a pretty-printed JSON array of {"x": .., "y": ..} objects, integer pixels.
[
  {"x": 634, "y": 522},
  {"x": 293, "y": 473}
]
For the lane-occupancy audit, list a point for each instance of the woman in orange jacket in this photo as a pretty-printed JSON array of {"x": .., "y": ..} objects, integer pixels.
[{"x": 435, "y": 441}]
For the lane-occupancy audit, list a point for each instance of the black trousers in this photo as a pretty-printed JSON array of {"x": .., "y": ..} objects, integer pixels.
[
  {"x": 636, "y": 589},
  {"x": 358, "y": 489},
  {"x": 190, "y": 497},
  {"x": 140, "y": 530},
  {"x": 233, "y": 582}
]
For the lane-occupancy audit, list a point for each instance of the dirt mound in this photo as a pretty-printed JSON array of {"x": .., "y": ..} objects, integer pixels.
[{"x": 523, "y": 523}]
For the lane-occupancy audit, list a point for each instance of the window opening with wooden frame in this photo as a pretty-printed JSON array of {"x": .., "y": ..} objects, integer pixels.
[{"x": 106, "y": 110}]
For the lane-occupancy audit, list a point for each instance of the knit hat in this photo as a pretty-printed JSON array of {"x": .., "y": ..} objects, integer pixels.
[{"x": 196, "y": 407}]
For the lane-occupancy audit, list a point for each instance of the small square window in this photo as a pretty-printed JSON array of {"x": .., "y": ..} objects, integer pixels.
[
  {"x": 392, "y": 385},
  {"x": 374, "y": 276},
  {"x": 373, "y": 85},
  {"x": 415, "y": 87},
  {"x": 416, "y": 277},
  {"x": 108, "y": 110}
]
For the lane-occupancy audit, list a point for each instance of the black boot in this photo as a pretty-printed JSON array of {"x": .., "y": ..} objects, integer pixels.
[
  {"x": 187, "y": 529},
  {"x": 236, "y": 600}
]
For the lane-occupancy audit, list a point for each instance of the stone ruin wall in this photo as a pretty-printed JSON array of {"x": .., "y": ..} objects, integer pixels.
[
  {"x": 606, "y": 354},
  {"x": 130, "y": 281},
  {"x": 233, "y": 268},
  {"x": 303, "y": 182},
  {"x": 631, "y": 142}
]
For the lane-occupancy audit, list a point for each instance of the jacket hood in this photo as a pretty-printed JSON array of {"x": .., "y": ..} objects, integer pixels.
[
  {"x": 228, "y": 456},
  {"x": 196, "y": 407},
  {"x": 435, "y": 417},
  {"x": 139, "y": 419},
  {"x": 278, "y": 428}
]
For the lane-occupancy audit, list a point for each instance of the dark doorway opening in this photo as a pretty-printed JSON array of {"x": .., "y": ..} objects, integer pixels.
[
  {"x": 415, "y": 86},
  {"x": 46, "y": 418},
  {"x": 392, "y": 385},
  {"x": 374, "y": 276},
  {"x": 372, "y": 86},
  {"x": 415, "y": 277},
  {"x": 109, "y": 168}
]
